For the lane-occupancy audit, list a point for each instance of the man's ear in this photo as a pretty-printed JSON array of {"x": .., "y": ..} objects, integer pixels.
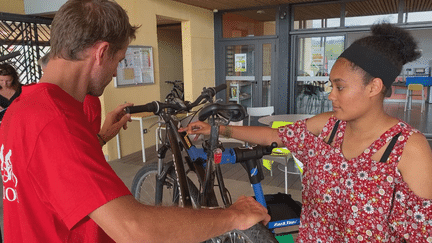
[
  {"x": 375, "y": 86},
  {"x": 101, "y": 51}
]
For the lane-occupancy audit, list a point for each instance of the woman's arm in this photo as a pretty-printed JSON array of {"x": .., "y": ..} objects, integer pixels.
[
  {"x": 250, "y": 134},
  {"x": 256, "y": 134},
  {"x": 416, "y": 165}
]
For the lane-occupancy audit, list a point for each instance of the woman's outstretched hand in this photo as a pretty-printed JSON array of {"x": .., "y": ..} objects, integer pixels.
[{"x": 197, "y": 127}]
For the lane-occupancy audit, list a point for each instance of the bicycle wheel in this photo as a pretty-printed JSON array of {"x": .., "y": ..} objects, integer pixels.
[
  {"x": 255, "y": 234},
  {"x": 144, "y": 186}
]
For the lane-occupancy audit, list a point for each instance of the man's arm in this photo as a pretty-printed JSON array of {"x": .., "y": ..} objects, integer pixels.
[{"x": 126, "y": 220}]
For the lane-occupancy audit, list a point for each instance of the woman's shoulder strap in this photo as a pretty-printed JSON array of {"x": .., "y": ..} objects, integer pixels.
[{"x": 333, "y": 132}]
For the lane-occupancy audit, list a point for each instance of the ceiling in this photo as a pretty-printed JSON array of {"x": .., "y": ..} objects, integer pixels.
[
  {"x": 239, "y": 4},
  {"x": 332, "y": 10}
]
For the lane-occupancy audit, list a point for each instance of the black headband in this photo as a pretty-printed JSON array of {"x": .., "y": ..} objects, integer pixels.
[{"x": 372, "y": 62}]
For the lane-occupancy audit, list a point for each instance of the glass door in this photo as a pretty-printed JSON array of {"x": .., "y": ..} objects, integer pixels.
[
  {"x": 267, "y": 55},
  {"x": 248, "y": 72},
  {"x": 240, "y": 73},
  {"x": 315, "y": 58}
]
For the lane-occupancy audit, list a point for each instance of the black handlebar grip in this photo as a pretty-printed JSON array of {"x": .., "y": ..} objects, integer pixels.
[
  {"x": 220, "y": 88},
  {"x": 150, "y": 107},
  {"x": 269, "y": 149}
]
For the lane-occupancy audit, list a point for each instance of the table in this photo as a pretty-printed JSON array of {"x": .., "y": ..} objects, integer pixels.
[
  {"x": 267, "y": 120},
  {"x": 425, "y": 81},
  {"x": 137, "y": 117}
]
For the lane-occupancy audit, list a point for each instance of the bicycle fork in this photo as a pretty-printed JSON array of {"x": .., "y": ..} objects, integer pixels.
[
  {"x": 255, "y": 174},
  {"x": 161, "y": 175}
]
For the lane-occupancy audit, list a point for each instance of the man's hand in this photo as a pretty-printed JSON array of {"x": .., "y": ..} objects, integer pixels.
[
  {"x": 114, "y": 121},
  {"x": 247, "y": 212}
]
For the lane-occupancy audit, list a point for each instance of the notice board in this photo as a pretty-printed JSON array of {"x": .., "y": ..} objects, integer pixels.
[{"x": 137, "y": 67}]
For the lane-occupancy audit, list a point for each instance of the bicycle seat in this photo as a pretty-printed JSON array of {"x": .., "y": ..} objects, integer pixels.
[{"x": 232, "y": 112}]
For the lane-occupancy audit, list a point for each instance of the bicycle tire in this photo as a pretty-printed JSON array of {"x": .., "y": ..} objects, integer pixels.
[
  {"x": 255, "y": 234},
  {"x": 144, "y": 186}
]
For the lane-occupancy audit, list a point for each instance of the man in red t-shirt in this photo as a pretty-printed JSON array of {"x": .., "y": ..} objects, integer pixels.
[
  {"x": 92, "y": 109},
  {"x": 57, "y": 185}
]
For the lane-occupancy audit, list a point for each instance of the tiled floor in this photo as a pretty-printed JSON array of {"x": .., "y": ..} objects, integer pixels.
[{"x": 236, "y": 177}]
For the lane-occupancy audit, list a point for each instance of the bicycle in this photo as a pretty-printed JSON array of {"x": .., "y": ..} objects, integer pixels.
[
  {"x": 177, "y": 90},
  {"x": 172, "y": 183}
]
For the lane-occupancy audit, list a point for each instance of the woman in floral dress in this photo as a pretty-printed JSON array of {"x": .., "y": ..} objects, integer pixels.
[{"x": 371, "y": 180}]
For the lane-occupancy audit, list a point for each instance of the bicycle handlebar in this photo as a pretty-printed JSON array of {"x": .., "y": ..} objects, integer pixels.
[
  {"x": 235, "y": 155},
  {"x": 156, "y": 106},
  {"x": 150, "y": 107},
  {"x": 256, "y": 152}
]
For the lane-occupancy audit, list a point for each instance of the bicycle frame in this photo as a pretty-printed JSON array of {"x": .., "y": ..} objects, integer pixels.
[
  {"x": 174, "y": 140},
  {"x": 177, "y": 90},
  {"x": 209, "y": 170}
]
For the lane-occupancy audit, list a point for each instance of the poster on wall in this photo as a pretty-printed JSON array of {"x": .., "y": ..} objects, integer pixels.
[
  {"x": 240, "y": 62},
  {"x": 137, "y": 67}
]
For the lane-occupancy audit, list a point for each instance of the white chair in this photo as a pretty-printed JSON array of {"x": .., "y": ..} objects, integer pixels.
[
  {"x": 410, "y": 93},
  {"x": 259, "y": 112}
]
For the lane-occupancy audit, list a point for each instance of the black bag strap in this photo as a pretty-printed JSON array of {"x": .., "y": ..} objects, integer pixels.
[
  {"x": 333, "y": 133},
  {"x": 389, "y": 148}
]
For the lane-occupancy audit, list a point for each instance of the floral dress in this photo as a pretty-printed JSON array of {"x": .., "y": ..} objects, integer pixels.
[{"x": 359, "y": 199}]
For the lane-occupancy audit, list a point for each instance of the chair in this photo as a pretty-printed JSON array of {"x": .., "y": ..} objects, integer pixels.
[
  {"x": 410, "y": 93},
  {"x": 260, "y": 112},
  {"x": 282, "y": 155}
]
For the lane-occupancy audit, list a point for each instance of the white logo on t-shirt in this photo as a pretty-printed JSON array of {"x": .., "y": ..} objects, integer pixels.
[{"x": 9, "y": 193}]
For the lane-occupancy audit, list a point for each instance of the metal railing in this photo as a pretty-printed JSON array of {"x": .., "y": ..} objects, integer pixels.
[{"x": 23, "y": 41}]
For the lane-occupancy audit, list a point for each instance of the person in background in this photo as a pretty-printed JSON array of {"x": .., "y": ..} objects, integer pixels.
[
  {"x": 367, "y": 175},
  {"x": 58, "y": 186},
  {"x": 93, "y": 111},
  {"x": 10, "y": 87}
]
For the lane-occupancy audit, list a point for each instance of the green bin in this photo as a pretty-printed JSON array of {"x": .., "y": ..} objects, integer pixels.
[{"x": 285, "y": 239}]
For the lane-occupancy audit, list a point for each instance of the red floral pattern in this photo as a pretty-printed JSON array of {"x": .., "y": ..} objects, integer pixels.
[{"x": 359, "y": 199}]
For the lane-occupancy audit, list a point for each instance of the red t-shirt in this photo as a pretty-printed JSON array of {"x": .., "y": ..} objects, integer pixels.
[
  {"x": 53, "y": 169},
  {"x": 92, "y": 109}
]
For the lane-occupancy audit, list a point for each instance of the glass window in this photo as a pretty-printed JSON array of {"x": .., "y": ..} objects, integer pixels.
[
  {"x": 318, "y": 54},
  {"x": 416, "y": 11},
  {"x": 317, "y": 16},
  {"x": 370, "y": 12},
  {"x": 316, "y": 57},
  {"x": 249, "y": 23}
]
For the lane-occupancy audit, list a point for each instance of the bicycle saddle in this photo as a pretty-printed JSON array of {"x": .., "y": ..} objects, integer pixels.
[{"x": 232, "y": 112}]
